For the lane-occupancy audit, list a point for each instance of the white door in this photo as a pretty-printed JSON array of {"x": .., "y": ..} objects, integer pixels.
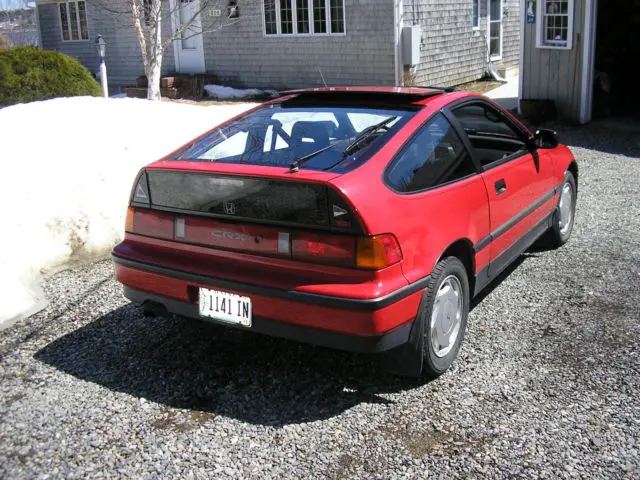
[
  {"x": 189, "y": 51},
  {"x": 495, "y": 29}
]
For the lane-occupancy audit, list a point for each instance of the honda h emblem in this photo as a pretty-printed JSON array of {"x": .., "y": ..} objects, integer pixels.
[{"x": 229, "y": 208}]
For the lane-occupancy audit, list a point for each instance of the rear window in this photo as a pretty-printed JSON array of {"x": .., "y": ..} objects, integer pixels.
[{"x": 277, "y": 135}]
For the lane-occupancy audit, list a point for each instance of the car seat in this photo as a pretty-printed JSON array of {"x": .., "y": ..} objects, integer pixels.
[{"x": 307, "y": 137}]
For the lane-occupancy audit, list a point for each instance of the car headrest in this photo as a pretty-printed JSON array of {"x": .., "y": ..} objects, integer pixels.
[{"x": 317, "y": 132}]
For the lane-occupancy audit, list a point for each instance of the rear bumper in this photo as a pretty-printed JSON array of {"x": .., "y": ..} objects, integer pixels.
[
  {"x": 361, "y": 325},
  {"x": 338, "y": 341}
]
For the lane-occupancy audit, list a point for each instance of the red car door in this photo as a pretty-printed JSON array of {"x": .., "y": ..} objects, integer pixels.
[
  {"x": 509, "y": 189},
  {"x": 512, "y": 175}
]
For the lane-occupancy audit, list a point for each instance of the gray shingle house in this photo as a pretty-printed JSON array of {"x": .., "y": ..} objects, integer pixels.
[{"x": 298, "y": 43}]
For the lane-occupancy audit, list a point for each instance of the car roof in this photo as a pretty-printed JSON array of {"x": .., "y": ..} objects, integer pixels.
[{"x": 423, "y": 91}]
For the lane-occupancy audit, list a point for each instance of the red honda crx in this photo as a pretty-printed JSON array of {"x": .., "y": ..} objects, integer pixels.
[{"x": 363, "y": 219}]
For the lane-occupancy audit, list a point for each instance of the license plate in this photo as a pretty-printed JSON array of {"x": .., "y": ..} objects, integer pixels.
[{"x": 225, "y": 307}]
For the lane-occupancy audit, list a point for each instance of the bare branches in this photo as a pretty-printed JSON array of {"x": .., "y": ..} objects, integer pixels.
[
  {"x": 137, "y": 25},
  {"x": 188, "y": 19}
]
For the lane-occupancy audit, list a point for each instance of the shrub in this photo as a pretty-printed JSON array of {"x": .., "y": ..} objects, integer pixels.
[{"x": 28, "y": 74}]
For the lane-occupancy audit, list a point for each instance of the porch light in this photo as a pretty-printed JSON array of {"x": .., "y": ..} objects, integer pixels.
[{"x": 101, "y": 47}]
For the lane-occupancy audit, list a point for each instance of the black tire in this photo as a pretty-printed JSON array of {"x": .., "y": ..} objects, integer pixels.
[
  {"x": 417, "y": 358},
  {"x": 557, "y": 236},
  {"x": 434, "y": 365}
]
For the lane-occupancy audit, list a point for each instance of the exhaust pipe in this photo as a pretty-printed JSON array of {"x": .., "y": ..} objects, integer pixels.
[{"x": 154, "y": 309}]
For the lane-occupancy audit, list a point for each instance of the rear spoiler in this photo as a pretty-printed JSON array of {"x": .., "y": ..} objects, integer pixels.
[{"x": 391, "y": 96}]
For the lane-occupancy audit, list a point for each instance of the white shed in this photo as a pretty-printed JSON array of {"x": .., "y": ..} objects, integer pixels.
[{"x": 579, "y": 58}]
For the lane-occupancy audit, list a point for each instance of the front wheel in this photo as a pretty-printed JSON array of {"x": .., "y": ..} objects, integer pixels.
[{"x": 564, "y": 216}]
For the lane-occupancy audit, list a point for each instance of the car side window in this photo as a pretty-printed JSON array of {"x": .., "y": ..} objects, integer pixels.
[
  {"x": 492, "y": 137},
  {"x": 434, "y": 156}
]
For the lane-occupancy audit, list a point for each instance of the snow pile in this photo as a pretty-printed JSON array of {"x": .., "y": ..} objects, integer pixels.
[
  {"x": 221, "y": 92},
  {"x": 68, "y": 168}
]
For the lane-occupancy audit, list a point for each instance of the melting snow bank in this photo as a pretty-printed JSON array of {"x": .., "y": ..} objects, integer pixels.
[
  {"x": 221, "y": 92},
  {"x": 68, "y": 168}
]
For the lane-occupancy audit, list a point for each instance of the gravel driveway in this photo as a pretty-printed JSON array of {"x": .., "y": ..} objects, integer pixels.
[{"x": 547, "y": 383}]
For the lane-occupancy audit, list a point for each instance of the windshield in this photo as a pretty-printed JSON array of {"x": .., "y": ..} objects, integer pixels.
[{"x": 277, "y": 136}]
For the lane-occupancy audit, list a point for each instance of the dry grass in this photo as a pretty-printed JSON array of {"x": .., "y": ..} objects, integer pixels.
[{"x": 479, "y": 86}]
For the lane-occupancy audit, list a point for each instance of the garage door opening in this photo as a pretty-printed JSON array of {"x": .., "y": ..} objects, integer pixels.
[{"x": 617, "y": 53}]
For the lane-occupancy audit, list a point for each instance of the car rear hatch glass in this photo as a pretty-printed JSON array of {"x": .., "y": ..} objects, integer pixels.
[
  {"x": 250, "y": 198},
  {"x": 278, "y": 134},
  {"x": 244, "y": 198}
]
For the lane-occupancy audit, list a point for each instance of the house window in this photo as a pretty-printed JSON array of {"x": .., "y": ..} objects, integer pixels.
[
  {"x": 270, "y": 20},
  {"x": 286, "y": 17},
  {"x": 304, "y": 17},
  {"x": 319, "y": 16},
  {"x": 475, "y": 14},
  {"x": 337, "y": 16},
  {"x": 555, "y": 28},
  {"x": 73, "y": 21},
  {"x": 302, "y": 10}
]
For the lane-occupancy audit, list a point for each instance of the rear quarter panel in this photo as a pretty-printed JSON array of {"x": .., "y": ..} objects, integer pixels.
[
  {"x": 427, "y": 223},
  {"x": 424, "y": 223}
]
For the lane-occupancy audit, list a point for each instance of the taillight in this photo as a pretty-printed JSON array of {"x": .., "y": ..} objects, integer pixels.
[
  {"x": 149, "y": 223},
  {"x": 319, "y": 248},
  {"x": 377, "y": 252},
  {"x": 128, "y": 224},
  {"x": 371, "y": 253}
]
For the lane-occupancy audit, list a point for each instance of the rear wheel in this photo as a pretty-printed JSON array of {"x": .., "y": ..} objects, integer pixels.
[
  {"x": 439, "y": 326},
  {"x": 444, "y": 316}
]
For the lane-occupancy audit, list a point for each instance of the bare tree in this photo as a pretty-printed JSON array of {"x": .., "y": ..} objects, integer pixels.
[{"x": 187, "y": 18}]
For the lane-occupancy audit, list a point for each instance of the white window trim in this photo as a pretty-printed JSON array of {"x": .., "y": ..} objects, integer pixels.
[
  {"x": 540, "y": 28},
  {"x": 294, "y": 16},
  {"x": 495, "y": 57},
  {"x": 66, "y": 3},
  {"x": 475, "y": 26}
]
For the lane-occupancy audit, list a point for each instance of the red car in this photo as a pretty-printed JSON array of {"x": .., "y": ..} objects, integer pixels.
[{"x": 363, "y": 219}]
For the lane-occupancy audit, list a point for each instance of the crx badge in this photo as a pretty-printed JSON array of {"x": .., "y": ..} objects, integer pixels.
[
  {"x": 229, "y": 208},
  {"x": 229, "y": 235}
]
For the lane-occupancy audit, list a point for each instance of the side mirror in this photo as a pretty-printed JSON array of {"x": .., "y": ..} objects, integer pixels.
[{"x": 545, "y": 138}]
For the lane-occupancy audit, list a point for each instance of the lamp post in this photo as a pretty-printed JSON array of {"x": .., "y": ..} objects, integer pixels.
[{"x": 101, "y": 47}]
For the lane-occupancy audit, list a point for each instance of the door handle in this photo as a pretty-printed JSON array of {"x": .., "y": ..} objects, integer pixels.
[{"x": 501, "y": 186}]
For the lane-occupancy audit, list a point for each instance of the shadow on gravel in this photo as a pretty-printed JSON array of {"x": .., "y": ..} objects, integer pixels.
[
  {"x": 221, "y": 371},
  {"x": 500, "y": 278},
  {"x": 602, "y": 138}
]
